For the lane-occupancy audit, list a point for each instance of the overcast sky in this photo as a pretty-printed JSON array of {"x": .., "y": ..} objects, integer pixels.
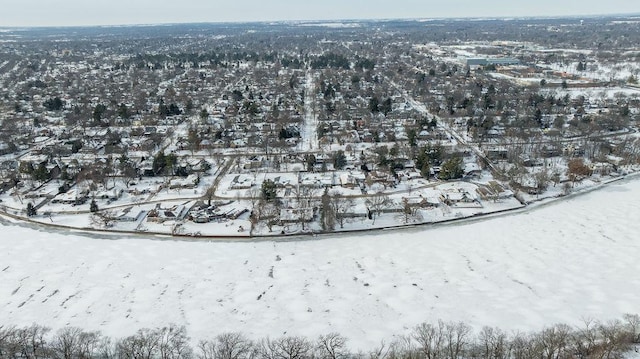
[{"x": 116, "y": 12}]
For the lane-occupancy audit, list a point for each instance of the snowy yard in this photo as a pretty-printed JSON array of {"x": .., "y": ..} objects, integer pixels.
[{"x": 557, "y": 263}]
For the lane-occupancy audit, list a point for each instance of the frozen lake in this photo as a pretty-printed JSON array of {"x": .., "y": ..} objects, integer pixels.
[{"x": 559, "y": 263}]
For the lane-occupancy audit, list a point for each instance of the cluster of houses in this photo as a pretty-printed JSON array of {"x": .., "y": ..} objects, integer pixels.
[
  {"x": 217, "y": 212},
  {"x": 105, "y": 125}
]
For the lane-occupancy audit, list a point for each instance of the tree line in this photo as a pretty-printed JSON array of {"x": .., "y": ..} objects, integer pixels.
[{"x": 440, "y": 340}]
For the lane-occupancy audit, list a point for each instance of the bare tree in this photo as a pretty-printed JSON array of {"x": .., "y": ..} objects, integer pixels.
[
  {"x": 431, "y": 339},
  {"x": 72, "y": 343},
  {"x": 456, "y": 339},
  {"x": 577, "y": 170},
  {"x": 264, "y": 212},
  {"x": 128, "y": 170},
  {"x": 380, "y": 352},
  {"x": 9, "y": 343},
  {"x": 614, "y": 340},
  {"x": 227, "y": 346},
  {"x": 443, "y": 340},
  {"x": 526, "y": 347},
  {"x": 173, "y": 343},
  {"x": 341, "y": 206},
  {"x": 585, "y": 339},
  {"x": 286, "y": 348},
  {"x": 143, "y": 345},
  {"x": 103, "y": 219},
  {"x": 255, "y": 197},
  {"x": 555, "y": 341},
  {"x": 633, "y": 326},
  {"x": 331, "y": 346},
  {"x": 541, "y": 180},
  {"x": 328, "y": 213},
  {"x": 377, "y": 203},
  {"x": 210, "y": 194},
  {"x": 31, "y": 342},
  {"x": 410, "y": 212},
  {"x": 493, "y": 344},
  {"x": 107, "y": 349},
  {"x": 304, "y": 201},
  {"x": 404, "y": 347}
]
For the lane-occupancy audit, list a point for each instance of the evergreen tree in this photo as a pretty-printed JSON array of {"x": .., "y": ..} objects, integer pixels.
[
  {"x": 311, "y": 162},
  {"x": 159, "y": 163},
  {"x": 425, "y": 170},
  {"x": 93, "y": 207},
  {"x": 374, "y": 104},
  {"x": 451, "y": 169},
  {"x": 123, "y": 112},
  {"x": 386, "y": 106},
  {"x": 204, "y": 114},
  {"x": 99, "y": 111},
  {"x": 31, "y": 210},
  {"x": 412, "y": 135},
  {"x": 41, "y": 173},
  {"x": 54, "y": 104},
  {"x": 269, "y": 190},
  {"x": 339, "y": 160}
]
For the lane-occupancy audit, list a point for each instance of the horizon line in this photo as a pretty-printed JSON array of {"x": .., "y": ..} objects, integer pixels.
[{"x": 312, "y": 21}]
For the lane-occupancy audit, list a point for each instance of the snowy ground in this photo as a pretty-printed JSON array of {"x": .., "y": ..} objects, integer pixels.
[{"x": 557, "y": 263}]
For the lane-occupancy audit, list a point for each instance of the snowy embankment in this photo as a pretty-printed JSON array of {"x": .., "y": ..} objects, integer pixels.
[{"x": 561, "y": 262}]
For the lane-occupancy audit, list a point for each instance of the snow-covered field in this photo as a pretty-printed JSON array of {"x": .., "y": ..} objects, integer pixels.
[{"x": 557, "y": 263}]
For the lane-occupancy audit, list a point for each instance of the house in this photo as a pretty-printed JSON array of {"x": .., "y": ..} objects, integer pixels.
[
  {"x": 238, "y": 143},
  {"x": 189, "y": 182},
  {"x": 316, "y": 180},
  {"x": 126, "y": 215},
  {"x": 160, "y": 215},
  {"x": 198, "y": 165},
  {"x": 383, "y": 178},
  {"x": 347, "y": 180},
  {"x": 110, "y": 195},
  {"x": 293, "y": 141},
  {"x": 421, "y": 201},
  {"x": 472, "y": 169},
  {"x": 252, "y": 164},
  {"x": 71, "y": 197},
  {"x": 284, "y": 181},
  {"x": 33, "y": 160},
  {"x": 296, "y": 215},
  {"x": 497, "y": 154},
  {"x": 424, "y": 135},
  {"x": 241, "y": 182},
  {"x": 457, "y": 196},
  {"x": 4, "y": 149},
  {"x": 47, "y": 192},
  {"x": 191, "y": 165},
  {"x": 407, "y": 175}
]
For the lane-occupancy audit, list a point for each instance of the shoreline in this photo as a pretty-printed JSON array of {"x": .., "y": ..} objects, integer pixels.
[{"x": 291, "y": 237}]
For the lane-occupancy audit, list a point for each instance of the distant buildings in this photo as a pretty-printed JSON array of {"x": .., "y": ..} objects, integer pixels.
[{"x": 505, "y": 61}]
